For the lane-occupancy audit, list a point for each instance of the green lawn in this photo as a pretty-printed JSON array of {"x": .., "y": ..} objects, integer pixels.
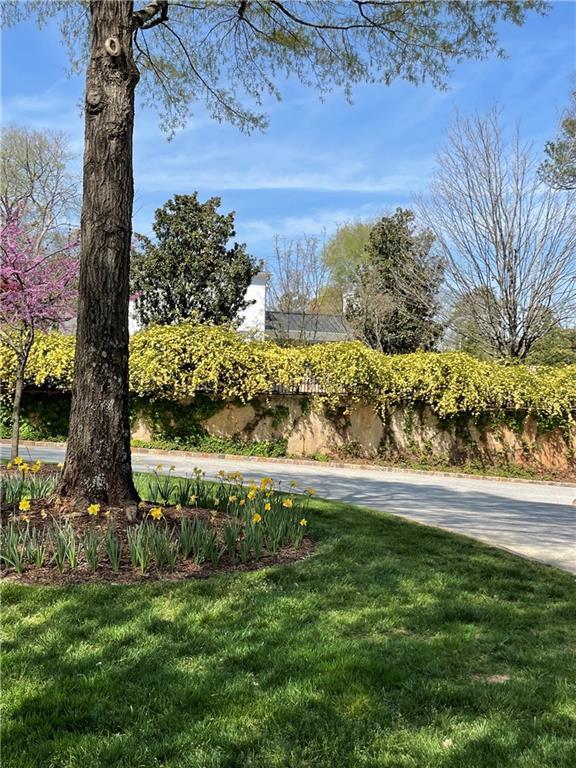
[{"x": 379, "y": 650}]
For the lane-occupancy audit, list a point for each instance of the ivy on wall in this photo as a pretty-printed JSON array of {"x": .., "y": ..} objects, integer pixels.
[{"x": 176, "y": 363}]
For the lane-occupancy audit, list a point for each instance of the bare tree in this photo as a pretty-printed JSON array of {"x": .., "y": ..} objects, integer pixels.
[
  {"x": 300, "y": 286},
  {"x": 509, "y": 241},
  {"x": 36, "y": 184}
]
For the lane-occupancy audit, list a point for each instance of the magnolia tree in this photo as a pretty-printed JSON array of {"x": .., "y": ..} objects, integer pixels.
[{"x": 38, "y": 293}]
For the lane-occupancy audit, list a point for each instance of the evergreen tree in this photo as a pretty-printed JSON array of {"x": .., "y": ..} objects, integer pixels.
[
  {"x": 394, "y": 298},
  {"x": 189, "y": 272}
]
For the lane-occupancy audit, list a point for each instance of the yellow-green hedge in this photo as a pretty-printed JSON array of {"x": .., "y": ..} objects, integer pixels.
[{"x": 175, "y": 362}]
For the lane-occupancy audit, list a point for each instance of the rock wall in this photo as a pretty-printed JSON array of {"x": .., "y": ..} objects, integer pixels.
[{"x": 362, "y": 431}]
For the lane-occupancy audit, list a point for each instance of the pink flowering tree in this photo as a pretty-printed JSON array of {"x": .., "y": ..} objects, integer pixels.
[{"x": 39, "y": 291}]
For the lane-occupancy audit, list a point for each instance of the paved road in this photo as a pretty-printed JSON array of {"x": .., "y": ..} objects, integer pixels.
[{"x": 538, "y": 521}]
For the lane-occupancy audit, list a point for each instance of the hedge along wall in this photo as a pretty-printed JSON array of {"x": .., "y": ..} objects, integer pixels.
[{"x": 187, "y": 369}]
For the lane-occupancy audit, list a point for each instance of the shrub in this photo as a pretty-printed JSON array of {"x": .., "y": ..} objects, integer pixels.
[{"x": 178, "y": 362}]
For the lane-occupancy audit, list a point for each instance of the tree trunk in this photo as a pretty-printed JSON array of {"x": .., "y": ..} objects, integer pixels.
[
  {"x": 98, "y": 465},
  {"x": 18, "y": 389}
]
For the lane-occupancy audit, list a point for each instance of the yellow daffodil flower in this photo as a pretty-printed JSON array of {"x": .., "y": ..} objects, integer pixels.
[
  {"x": 232, "y": 499},
  {"x": 9, "y": 465},
  {"x": 159, "y": 467},
  {"x": 141, "y": 505},
  {"x": 173, "y": 468},
  {"x": 24, "y": 505},
  {"x": 242, "y": 502},
  {"x": 251, "y": 494},
  {"x": 288, "y": 503},
  {"x": 221, "y": 473},
  {"x": 60, "y": 465},
  {"x": 303, "y": 522},
  {"x": 293, "y": 484},
  {"x": 18, "y": 461},
  {"x": 310, "y": 491},
  {"x": 24, "y": 467},
  {"x": 43, "y": 514},
  {"x": 25, "y": 518},
  {"x": 193, "y": 499},
  {"x": 216, "y": 501},
  {"x": 94, "y": 509},
  {"x": 268, "y": 506},
  {"x": 256, "y": 518},
  {"x": 156, "y": 513}
]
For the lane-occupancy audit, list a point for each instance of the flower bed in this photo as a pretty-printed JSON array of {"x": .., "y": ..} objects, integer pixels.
[{"x": 187, "y": 527}]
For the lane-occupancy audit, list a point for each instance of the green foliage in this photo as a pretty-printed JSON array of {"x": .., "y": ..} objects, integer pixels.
[
  {"x": 346, "y": 251},
  {"x": 226, "y": 53},
  {"x": 557, "y": 347},
  {"x": 189, "y": 272},
  {"x": 559, "y": 168},
  {"x": 394, "y": 297},
  {"x": 176, "y": 363}
]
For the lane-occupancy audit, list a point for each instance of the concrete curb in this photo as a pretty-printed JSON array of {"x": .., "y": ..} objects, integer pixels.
[{"x": 310, "y": 463}]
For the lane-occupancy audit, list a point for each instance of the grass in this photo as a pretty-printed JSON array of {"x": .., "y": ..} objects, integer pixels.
[{"x": 380, "y": 650}]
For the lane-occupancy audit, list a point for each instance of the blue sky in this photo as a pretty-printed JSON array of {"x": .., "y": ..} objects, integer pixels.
[{"x": 318, "y": 164}]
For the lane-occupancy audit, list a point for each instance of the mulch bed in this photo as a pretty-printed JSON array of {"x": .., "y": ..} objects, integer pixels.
[{"x": 185, "y": 569}]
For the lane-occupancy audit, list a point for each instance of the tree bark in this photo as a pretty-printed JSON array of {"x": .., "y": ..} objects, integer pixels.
[
  {"x": 18, "y": 389},
  {"x": 98, "y": 464}
]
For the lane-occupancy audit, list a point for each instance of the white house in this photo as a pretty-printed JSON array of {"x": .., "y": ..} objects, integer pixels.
[{"x": 259, "y": 319}]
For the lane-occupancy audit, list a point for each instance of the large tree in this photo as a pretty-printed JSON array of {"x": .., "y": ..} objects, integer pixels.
[
  {"x": 393, "y": 301},
  {"x": 217, "y": 52},
  {"x": 508, "y": 239},
  {"x": 191, "y": 270}
]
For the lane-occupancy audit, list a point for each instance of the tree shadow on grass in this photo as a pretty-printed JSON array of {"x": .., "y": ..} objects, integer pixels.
[{"x": 376, "y": 651}]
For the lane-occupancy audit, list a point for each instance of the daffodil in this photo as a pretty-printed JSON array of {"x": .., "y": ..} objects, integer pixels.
[
  {"x": 173, "y": 468},
  {"x": 242, "y": 502},
  {"x": 303, "y": 522},
  {"x": 60, "y": 465},
  {"x": 216, "y": 501},
  {"x": 268, "y": 506},
  {"x": 25, "y": 518},
  {"x": 310, "y": 491},
  {"x": 293, "y": 484},
  {"x": 9, "y": 465},
  {"x": 141, "y": 505},
  {"x": 24, "y": 505},
  {"x": 24, "y": 467},
  {"x": 251, "y": 494},
  {"x": 288, "y": 503},
  {"x": 193, "y": 499},
  {"x": 18, "y": 461},
  {"x": 43, "y": 514},
  {"x": 178, "y": 507},
  {"x": 94, "y": 509},
  {"x": 232, "y": 499},
  {"x": 36, "y": 466},
  {"x": 156, "y": 513},
  {"x": 256, "y": 518},
  {"x": 159, "y": 467},
  {"x": 221, "y": 473}
]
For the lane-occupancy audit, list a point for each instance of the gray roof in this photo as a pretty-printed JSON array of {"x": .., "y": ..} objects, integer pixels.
[{"x": 306, "y": 326}]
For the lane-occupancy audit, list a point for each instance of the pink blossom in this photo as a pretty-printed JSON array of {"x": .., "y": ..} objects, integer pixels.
[{"x": 38, "y": 288}]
